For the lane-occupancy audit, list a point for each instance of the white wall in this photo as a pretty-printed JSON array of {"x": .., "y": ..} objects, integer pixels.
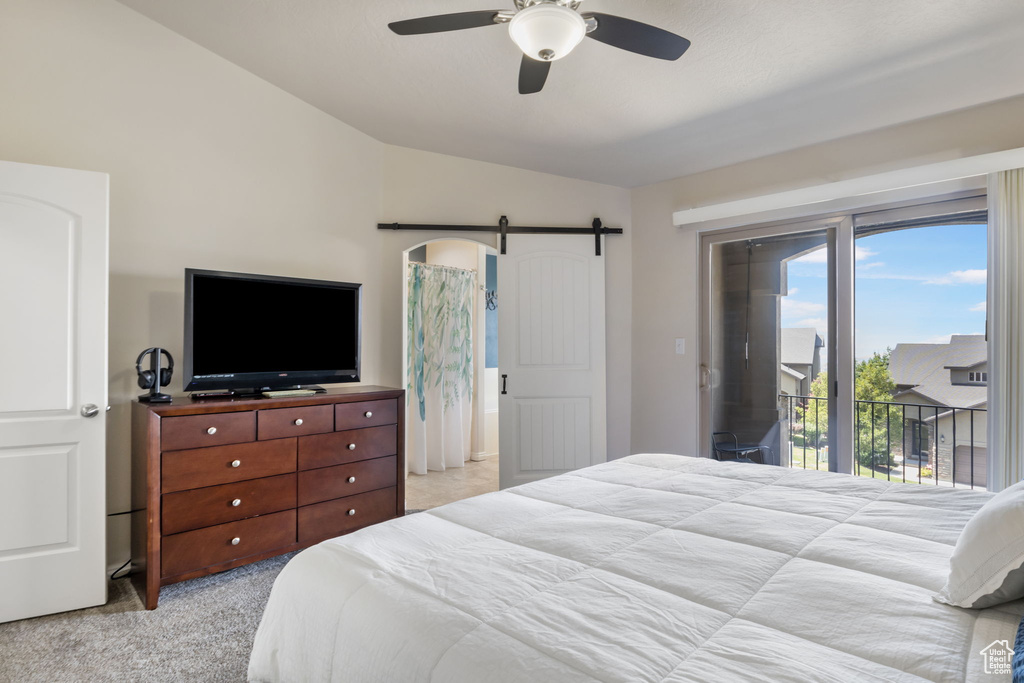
[
  {"x": 454, "y": 253},
  {"x": 665, "y": 279},
  {"x": 212, "y": 167},
  {"x": 425, "y": 187}
]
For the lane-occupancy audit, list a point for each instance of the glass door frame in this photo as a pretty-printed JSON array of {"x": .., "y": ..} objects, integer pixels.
[{"x": 840, "y": 367}]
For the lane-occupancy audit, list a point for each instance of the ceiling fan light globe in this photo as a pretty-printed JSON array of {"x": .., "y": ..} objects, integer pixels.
[{"x": 547, "y": 32}]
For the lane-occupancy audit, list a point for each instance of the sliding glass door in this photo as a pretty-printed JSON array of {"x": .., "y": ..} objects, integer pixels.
[
  {"x": 768, "y": 344},
  {"x": 852, "y": 343}
]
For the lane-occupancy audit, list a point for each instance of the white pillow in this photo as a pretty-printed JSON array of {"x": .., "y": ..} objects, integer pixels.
[{"x": 986, "y": 566}]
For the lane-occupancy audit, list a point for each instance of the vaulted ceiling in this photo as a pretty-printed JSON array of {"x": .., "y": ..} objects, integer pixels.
[{"x": 762, "y": 76}]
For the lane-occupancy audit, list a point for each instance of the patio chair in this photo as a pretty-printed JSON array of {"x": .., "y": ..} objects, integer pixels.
[{"x": 725, "y": 446}]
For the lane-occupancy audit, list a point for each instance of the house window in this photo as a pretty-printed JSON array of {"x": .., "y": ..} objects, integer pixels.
[{"x": 971, "y": 376}]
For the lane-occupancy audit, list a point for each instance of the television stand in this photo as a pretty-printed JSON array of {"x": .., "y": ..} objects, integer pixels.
[
  {"x": 315, "y": 388},
  {"x": 258, "y": 392},
  {"x": 221, "y": 483}
]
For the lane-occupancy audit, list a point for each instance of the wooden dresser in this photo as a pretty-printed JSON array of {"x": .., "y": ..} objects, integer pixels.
[{"x": 218, "y": 483}]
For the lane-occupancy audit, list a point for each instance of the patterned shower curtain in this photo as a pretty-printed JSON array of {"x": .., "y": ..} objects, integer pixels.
[{"x": 440, "y": 387}]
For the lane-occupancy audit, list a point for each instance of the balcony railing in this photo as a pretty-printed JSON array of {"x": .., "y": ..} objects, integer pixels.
[{"x": 907, "y": 442}]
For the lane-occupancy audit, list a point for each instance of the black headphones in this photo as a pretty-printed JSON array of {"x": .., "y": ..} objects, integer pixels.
[{"x": 148, "y": 378}]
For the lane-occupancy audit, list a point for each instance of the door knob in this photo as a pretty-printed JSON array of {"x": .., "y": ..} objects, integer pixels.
[{"x": 90, "y": 410}]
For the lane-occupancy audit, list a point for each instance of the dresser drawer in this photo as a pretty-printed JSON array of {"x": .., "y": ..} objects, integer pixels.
[
  {"x": 283, "y": 422},
  {"x": 333, "y": 482},
  {"x": 213, "y": 545},
  {"x": 180, "y": 470},
  {"x": 365, "y": 414},
  {"x": 187, "y": 510},
  {"x": 339, "y": 516},
  {"x": 324, "y": 450},
  {"x": 197, "y": 431}
]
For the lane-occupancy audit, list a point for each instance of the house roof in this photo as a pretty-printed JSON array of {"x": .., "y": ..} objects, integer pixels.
[
  {"x": 924, "y": 369},
  {"x": 793, "y": 373},
  {"x": 798, "y": 345}
]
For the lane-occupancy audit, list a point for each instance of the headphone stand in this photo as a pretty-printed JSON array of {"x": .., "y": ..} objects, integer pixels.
[{"x": 155, "y": 395}]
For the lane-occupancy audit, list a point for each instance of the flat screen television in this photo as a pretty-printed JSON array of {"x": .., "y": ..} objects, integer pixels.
[{"x": 262, "y": 332}]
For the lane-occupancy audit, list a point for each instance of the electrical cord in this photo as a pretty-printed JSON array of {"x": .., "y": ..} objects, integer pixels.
[
  {"x": 126, "y": 512},
  {"x": 114, "y": 576}
]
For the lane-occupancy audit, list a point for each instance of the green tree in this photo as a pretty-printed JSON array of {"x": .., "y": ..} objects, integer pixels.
[
  {"x": 879, "y": 426},
  {"x": 812, "y": 416},
  {"x": 872, "y": 382}
]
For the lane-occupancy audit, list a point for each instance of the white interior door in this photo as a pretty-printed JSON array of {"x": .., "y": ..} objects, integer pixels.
[
  {"x": 551, "y": 357},
  {"x": 53, "y": 365}
]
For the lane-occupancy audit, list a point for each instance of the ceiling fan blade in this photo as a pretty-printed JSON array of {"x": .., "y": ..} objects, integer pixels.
[
  {"x": 637, "y": 37},
  {"x": 532, "y": 74},
  {"x": 444, "y": 22}
]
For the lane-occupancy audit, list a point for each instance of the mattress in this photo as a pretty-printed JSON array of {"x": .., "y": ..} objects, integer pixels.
[{"x": 649, "y": 568}]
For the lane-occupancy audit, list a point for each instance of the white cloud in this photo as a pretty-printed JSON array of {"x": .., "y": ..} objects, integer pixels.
[
  {"x": 956, "y": 277},
  {"x": 791, "y": 307},
  {"x": 942, "y": 338},
  {"x": 821, "y": 255},
  {"x": 792, "y": 292},
  {"x": 860, "y": 253},
  {"x": 979, "y": 308},
  {"x": 873, "y": 264},
  {"x": 819, "y": 324},
  {"x": 960, "y": 277}
]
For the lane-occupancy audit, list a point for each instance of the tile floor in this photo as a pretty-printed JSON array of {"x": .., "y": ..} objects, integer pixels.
[{"x": 425, "y": 491}]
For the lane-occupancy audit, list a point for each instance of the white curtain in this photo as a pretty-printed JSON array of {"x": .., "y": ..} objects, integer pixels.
[
  {"x": 1005, "y": 328},
  {"x": 440, "y": 387}
]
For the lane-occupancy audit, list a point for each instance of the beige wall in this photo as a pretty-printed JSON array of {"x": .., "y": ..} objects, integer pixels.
[
  {"x": 211, "y": 167},
  {"x": 454, "y": 253},
  {"x": 432, "y": 188},
  {"x": 665, "y": 280}
]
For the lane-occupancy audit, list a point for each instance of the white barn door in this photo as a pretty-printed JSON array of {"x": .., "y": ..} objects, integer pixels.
[
  {"x": 53, "y": 389},
  {"x": 551, "y": 357}
]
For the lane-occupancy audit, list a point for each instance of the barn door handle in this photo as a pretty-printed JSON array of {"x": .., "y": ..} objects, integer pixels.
[{"x": 504, "y": 384}]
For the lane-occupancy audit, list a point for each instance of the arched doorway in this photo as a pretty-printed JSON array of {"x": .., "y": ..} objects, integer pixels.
[{"x": 435, "y": 478}]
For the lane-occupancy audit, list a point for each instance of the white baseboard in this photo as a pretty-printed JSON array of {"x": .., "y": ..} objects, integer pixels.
[{"x": 477, "y": 457}]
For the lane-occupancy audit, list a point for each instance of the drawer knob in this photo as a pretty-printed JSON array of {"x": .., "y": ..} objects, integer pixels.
[
  {"x": 236, "y": 540},
  {"x": 352, "y": 512},
  {"x": 368, "y": 413},
  {"x": 236, "y": 502},
  {"x": 236, "y": 463},
  {"x": 211, "y": 431},
  {"x": 351, "y": 446},
  {"x": 298, "y": 422},
  {"x": 351, "y": 480}
]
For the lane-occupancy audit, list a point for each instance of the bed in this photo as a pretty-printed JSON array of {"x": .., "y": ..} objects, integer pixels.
[{"x": 649, "y": 568}]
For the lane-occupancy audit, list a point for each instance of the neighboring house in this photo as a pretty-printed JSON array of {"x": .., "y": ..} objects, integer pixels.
[
  {"x": 942, "y": 388},
  {"x": 801, "y": 360},
  {"x": 791, "y": 382}
]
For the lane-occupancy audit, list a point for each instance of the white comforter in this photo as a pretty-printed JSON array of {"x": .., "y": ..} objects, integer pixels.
[{"x": 650, "y": 568}]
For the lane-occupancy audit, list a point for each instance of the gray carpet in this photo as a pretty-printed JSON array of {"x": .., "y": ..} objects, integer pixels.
[{"x": 202, "y": 631}]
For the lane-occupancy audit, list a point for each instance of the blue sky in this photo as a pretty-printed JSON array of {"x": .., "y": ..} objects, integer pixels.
[{"x": 917, "y": 285}]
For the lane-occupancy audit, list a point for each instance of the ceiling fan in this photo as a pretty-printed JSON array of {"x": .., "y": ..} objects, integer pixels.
[{"x": 546, "y": 30}]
